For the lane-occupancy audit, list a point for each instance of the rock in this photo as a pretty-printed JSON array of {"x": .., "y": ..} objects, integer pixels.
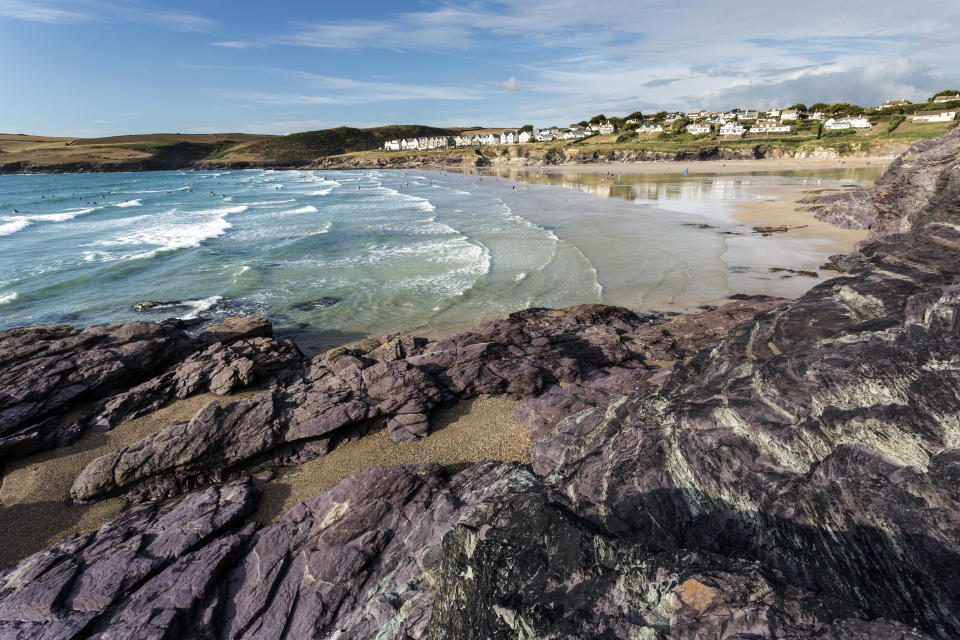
[
  {"x": 768, "y": 230},
  {"x": 150, "y": 558},
  {"x": 238, "y": 328},
  {"x": 150, "y": 305},
  {"x": 314, "y": 305}
]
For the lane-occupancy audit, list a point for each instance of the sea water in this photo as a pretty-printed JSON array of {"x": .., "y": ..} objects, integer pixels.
[{"x": 333, "y": 257}]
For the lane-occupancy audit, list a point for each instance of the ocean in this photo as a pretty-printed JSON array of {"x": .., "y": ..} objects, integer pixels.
[{"x": 333, "y": 257}]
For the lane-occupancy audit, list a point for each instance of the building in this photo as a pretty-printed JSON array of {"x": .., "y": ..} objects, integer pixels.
[
  {"x": 409, "y": 143},
  {"x": 508, "y": 137},
  {"x": 748, "y": 114},
  {"x": 835, "y": 124},
  {"x": 935, "y": 116},
  {"x": 649, "y": 128},
  {"x": 947, "y": 98},
  {"x": 524, "y": 137},
  {"x": 490, "y": 139},
  {"x": 699, "y": 128},
  {"x": 392, "y": 145},
  {"x": 732, "y": 129},
  {"x": 606, "y": 129},
  {"x": 789, "y": 114},
  {"x": 774, "y": 113},
  {"x": 768, "y": 127},
  {"x": 894, "y": 103}
]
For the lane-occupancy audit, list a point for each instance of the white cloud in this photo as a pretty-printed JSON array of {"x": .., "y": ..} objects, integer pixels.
[
  {"x": 36, "y": 12},
  {"x": 512, "y": 84},
  {"x": 238, "y": 44},
  {"x": 103, "y": 11}
]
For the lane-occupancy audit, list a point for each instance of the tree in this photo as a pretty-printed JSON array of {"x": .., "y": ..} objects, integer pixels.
[
  {"x": 819, "y": 106},
  {"x": 660, "y": 116},
  {"x": 525, "y": 128},
  {"x": 583, "y": 123},
  {"x": 616, "y": 122},
  {"x": 799, "y": 106},
  {"x": 636, "y": 115},
  {"x": 681, "y": 125},
  {"x": 597, "y": 119}
]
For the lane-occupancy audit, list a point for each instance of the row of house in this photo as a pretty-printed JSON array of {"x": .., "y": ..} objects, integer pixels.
[{"x": 506, "y": 136}]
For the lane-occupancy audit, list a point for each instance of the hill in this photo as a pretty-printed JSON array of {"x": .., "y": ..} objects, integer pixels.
[
  {"x": 23, "y": 153},
  {"x": 303, "y": 148}
]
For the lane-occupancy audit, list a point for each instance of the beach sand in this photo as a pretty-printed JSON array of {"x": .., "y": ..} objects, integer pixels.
[
  {"x": 719, "y": 166},
  {"x": 36, "y": 510},
  {"x": 468, "y": 432},
  {"x": 35, "y": 506}
]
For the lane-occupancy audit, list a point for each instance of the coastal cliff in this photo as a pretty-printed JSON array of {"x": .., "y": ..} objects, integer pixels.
[{"x": 766, "y": 469}]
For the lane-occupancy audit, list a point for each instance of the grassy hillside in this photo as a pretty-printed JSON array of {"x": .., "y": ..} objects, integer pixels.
[{"x": 303, "y": 148}]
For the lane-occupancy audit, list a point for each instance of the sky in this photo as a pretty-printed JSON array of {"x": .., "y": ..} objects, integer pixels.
[{"x": 107, "y": 67}]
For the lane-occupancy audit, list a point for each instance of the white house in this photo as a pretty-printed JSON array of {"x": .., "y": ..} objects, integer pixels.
[
  {"x": 789, "y": 114},
  {"x": 847, "y": 123},
  {"x": 508, "y": 137},
  {"x": 699, "y": 128},
  {"x": 606, "y": 129},
  {"x": 732, "y": 129},
  {"x": 748, "y": 114},
  {"x": 816, "y": 115},
  {"x": 774, "y": 113},
  {"x": 835, "y": 125},
  {"x": 524, "y": 137},
  {"x": 935, "y": 116},
  {"x": 947, "y": 98},
  {"x": 490, "y": 138},
  {"x": 595, "y": 127},
  {"x": 409, "y": 143},
  {"x": 649, "y": 128},
  {"x": 894, "y": 103},
  {"x": 392, "y": 145},
  {"x": 768, "y": 127}
]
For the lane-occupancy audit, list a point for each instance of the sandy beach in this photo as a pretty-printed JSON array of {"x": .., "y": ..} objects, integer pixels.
[
  {"x": 36, "y": 510},
  {"x": 721, "y": 166}
]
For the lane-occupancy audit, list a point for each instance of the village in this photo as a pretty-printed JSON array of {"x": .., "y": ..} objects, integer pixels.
[{"x": 732, "y": 124}]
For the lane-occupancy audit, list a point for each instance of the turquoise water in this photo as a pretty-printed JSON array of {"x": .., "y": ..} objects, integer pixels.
[{"x": 334, "y": 257}]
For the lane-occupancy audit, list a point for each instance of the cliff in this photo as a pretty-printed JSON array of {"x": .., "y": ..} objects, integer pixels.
[{"x": 766, "y": 469}]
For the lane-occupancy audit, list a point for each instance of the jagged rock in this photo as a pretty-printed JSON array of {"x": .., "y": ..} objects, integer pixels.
[
  {"x": 150, "y": 305},
  {"x": 159, "y": 555},
  {"x": 49, "y": 371},
  {"x": 238, "y": 328}
]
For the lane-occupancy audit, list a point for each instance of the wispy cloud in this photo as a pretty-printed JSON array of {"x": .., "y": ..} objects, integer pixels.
[
  {"x": 511, "y": 84},
  {"x": 318, "y": 89},
  {"x": 239, "y": 44},
  {"x": 37, "y": 12},
  {"x": 659, "y": 82},
  {"x": 105, "y": 11}
]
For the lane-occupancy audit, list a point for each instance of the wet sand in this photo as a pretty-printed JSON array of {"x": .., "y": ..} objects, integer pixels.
[
  {"x": 468, "y": 432},
  {"x": 720, "y": 166},
  {"x": 35, "y": 506}
]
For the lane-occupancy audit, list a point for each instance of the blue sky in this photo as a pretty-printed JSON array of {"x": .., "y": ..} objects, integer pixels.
[{"x": 101, "y": 67}]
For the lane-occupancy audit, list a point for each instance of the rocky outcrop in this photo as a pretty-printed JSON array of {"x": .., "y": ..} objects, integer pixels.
[
  {"x": 57, "y": 382},
  {"x": 768, "y": 469},
  {"x": 394, "y": 381}
]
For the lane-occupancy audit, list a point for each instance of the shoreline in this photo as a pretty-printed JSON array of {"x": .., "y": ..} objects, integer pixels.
[
  {"x": 720, "y": 166},
  {"x": 598, "y": 166}
]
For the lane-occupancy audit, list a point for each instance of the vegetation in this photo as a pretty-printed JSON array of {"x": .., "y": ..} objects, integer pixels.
[
  {"x": 895, "y": 122},
  {"x": 945, "y": 92},
  {"x": 525, "y": 128},
  {"x": 301, "y": 148}
]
